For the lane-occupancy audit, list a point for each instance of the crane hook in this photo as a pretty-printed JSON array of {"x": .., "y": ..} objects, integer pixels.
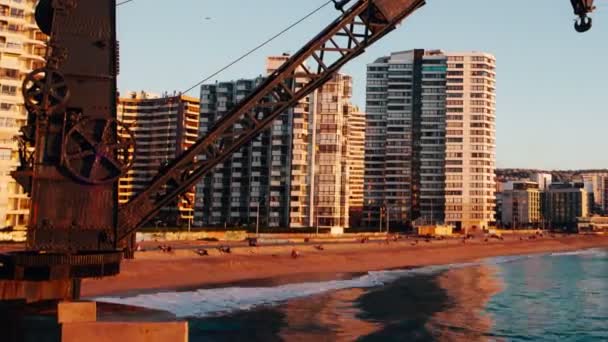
[
  {"x": 583, "y": 24},
  {"x": 581, "y": 9}
]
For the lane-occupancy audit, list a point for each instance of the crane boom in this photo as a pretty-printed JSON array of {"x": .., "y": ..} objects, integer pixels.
[{"x": 361, "y": 25}]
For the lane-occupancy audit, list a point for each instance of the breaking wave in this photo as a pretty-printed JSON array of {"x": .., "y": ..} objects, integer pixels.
[
  {"x": 219, "y": 301},
  {"x": 586, "y": 252}
]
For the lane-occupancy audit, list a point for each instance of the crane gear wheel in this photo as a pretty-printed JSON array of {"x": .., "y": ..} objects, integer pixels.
[
  {"x": 98, "y": 150},
  {"x": 45, "y": 91}
]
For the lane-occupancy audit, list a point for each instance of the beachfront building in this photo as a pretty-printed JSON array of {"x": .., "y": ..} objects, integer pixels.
[
  {"x": 331, "y": 169},
  {"x": 597, "y": 187},
  {"x": 236, "y": 189},
  {"x": 521, "y": 206},
  {"x": 296, "y": 174},
  {"x": 593, "y": 224},
  {"x": 356, "y": 160},
  {"x": 164, "y": 126},
  {"x": 430, "y": 130},
  {"x": 253, "y": 184},
  {"x": 470, "y": 140},
  {"x": 564, "y": 203},
  {"x": 405, "y": 138},
  {"x": 22, "y": 49}
]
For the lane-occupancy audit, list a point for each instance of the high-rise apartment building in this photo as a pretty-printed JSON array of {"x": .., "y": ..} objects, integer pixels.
[
  {"x": 405, "y": 144},
  {"x": 331, "y": 169},
  {"x": 255, "y": 181},
  {"x": 429, "y": 153},
  {"x": 296, "y": 174},
  {"x": 22, "y": 49},
  {"x": 470, "y": 140},
  {"x": 237, "y": 190},
  {"x": 164, "y": 127},
  {"x": 356, "y": 147}
]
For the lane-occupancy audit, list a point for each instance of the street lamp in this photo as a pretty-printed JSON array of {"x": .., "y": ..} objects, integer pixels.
[
  {"x": 381, "y": 214},
  {"x": 257, "y": 220},
  {"x": 388, "y": 218}
]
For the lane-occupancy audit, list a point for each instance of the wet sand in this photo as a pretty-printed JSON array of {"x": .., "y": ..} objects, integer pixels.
[{"x": 157, "y": 271}]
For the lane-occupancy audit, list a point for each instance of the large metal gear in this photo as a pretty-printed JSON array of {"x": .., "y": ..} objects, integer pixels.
[
  {"x": 45, "y": 91},
  {"x": 98, "y": 151}
]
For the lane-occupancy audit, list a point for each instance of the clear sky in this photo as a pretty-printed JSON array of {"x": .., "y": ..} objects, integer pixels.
[{"x": 552, "y": 83}]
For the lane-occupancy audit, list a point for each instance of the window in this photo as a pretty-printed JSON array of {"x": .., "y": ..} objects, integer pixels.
[
  {"x": 5, "y": 154},
  {"x": 9, "y": 90}
]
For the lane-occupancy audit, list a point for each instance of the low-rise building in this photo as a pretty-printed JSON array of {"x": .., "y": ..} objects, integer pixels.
[
  {"x": 596, "y": 183},
  {"x": 521, "y": 205},
  {"x": 593, "y": 224},
  {"x": 437, "y": 230},
  {"x": 564, "y": 203}
]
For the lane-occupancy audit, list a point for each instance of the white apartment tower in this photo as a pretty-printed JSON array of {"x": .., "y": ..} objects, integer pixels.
[
  {"x": 22, "y": 47},
  {"x": 470, "y": 140},
  {"x": 429, "y": 154}
]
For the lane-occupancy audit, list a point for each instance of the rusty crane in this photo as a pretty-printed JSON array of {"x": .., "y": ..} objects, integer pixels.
[{"x": 73, "y": 149}]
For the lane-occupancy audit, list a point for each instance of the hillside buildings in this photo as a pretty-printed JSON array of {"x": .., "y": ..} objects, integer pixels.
[
  {"x": 164, "y": 126},
  {"x": 430, "y": 148},
  {"x": 22, "y": 49},
  {"x": 296, "y": 174}
]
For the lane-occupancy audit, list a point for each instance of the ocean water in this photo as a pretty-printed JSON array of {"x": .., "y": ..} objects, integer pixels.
[{"x": 549, "y": 297}]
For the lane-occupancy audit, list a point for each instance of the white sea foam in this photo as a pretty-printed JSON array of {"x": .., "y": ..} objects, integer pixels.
[
  {"x": 218, "y": 301},
  {"x": 586, "y": 252}
]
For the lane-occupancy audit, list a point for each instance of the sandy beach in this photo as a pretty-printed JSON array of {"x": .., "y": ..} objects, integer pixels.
[{"x": 183, "y": 268}]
